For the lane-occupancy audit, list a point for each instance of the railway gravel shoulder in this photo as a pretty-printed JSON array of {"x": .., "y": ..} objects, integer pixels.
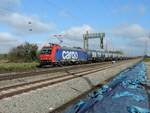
[
  {"x": 26, "y": 87},
  {"x": 148, "y": 76},
  {"x": 54, "y": 75},
  {"x": 48, "y": 98}
]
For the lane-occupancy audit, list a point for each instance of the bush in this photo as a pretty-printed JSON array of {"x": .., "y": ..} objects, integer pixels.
[{"x": 23, "y": 53}]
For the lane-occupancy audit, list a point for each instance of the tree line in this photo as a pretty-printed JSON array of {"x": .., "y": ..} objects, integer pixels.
[{"x": 26, "y": 52}]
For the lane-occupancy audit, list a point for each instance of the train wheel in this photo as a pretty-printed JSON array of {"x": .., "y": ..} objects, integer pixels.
[
  {"x": 53, "y": 65},
  {"x": 39, "y": 65},
  {"x": 60, "y": 64}
]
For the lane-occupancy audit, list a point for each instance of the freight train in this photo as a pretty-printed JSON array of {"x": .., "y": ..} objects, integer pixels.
[{"x": 54, "y": 54}]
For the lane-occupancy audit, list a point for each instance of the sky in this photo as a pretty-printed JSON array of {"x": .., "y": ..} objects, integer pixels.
[{"x": 125, "y": 23}]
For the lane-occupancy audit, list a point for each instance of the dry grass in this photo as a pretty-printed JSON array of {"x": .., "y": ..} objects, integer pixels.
[
  {"x": 16, "y": 67},
  {"x": 146, "y": 59}
]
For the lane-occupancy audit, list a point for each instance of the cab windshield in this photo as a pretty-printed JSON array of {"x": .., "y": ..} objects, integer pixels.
[{"x": 46, "y": 51}]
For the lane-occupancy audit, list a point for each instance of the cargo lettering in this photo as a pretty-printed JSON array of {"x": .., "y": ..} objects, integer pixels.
[{"x": 70, "y": 55}]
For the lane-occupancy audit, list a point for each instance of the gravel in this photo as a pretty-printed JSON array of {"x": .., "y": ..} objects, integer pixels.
[
  {"x": 28, "y": 79},
  {"x": 148, "y": 75},
  {"x": 46, "y": 99},
  {"x": 148, "y": 69},
  {"x": 17, "y": 81}
]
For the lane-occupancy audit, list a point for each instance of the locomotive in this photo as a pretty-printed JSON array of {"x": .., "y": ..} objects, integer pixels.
[{"x": 54, "y": 54}]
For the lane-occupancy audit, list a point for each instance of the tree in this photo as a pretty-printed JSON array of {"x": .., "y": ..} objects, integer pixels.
[{"x": 23, "y": 53}]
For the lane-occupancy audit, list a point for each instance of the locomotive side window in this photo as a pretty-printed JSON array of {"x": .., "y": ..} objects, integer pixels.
[{"x": 46, "y": 51}]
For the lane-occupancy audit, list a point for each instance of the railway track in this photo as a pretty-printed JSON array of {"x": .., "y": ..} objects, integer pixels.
[
  {"x": 26, "y": 87},
  {"x": 9, "y": 76}
]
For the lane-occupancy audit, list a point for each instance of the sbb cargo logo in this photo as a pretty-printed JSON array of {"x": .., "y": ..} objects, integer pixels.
[{"x": 70, "y": 55}]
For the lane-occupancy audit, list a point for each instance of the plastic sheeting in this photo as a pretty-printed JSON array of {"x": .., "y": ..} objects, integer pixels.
[{"x": 124, "y": 94}]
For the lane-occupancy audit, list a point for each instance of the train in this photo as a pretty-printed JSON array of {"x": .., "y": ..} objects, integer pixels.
[{"x": 54, "y": 54}]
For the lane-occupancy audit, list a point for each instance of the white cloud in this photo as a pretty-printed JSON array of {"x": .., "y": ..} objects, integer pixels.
[
  {"x": 7, "y": 41},
  {"x": 74, "y": 35},
  {"x": 144, "y": 39},
  {"x": 25, "y": 25},
  {"x": 7, "y": 38},
  {"x": 20, "y": 23},
  {"x": 137, "y": 35},
  {"x": 130, "y": 31}
]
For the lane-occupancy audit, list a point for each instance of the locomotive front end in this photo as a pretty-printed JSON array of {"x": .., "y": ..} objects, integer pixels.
[{"x": 45, "y": 56}]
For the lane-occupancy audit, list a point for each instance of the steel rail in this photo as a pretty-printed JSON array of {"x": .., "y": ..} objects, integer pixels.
[
  {"x": 52, "y": 70},
  {"x": 19, "y": 89}
]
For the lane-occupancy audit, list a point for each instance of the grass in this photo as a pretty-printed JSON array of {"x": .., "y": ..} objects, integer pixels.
[
  {"x": 146, "y": 59},
  {"x": 17, "y": 67}
]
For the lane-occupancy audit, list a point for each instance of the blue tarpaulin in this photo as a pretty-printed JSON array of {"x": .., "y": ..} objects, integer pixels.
[{"x": 124, "y": 94}]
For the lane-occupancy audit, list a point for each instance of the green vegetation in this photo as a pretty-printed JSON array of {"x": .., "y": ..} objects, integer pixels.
[
  {"x": 17, "y": 67},
  {"x": 146, "y": 59},
  {"x": 20, "y": 58},
  {"x": 3, "y": 56},
  {"x": 23, "y": 53}
]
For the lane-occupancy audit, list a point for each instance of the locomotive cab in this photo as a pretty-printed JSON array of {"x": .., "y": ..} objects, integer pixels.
[{"x": 47, "y": 53}]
